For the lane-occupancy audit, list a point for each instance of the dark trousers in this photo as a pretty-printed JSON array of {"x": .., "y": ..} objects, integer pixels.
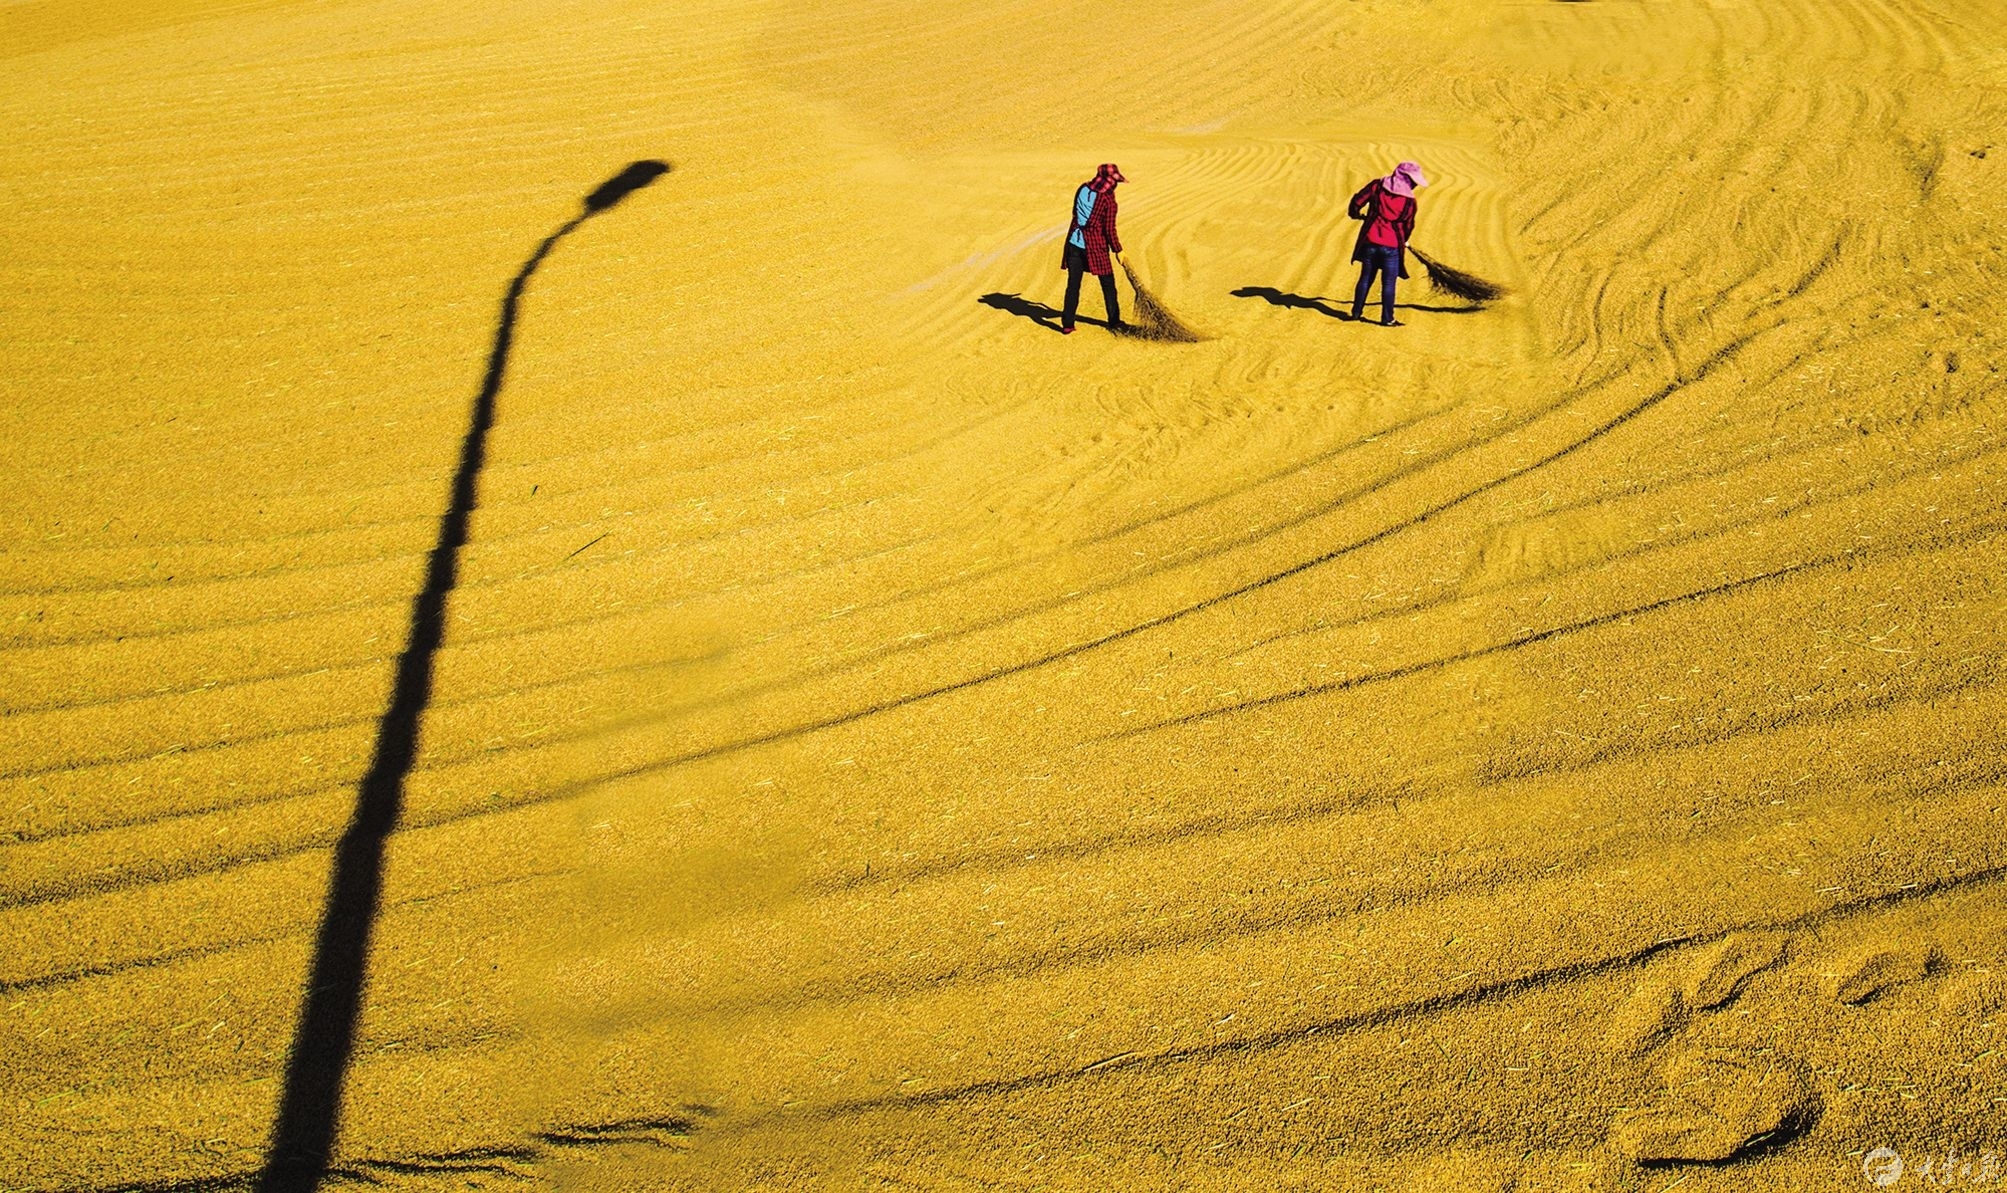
[
  {"x": 1076, "y": 264},
  {"x": 1387, "y": 263}
]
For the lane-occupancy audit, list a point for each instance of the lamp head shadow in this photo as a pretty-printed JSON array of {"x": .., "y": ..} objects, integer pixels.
[{"x": 623, "y": 184}]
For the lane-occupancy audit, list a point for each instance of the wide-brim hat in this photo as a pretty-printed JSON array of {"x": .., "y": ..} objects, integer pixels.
[{"x": 1413, "y": 173}]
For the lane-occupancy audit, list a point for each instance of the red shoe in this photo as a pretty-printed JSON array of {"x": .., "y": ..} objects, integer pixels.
[{"x": 1066, "y": 331}]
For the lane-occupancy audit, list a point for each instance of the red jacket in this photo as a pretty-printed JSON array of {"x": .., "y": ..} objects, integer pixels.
[
  {"x": 1099, "y": 233},
  {"x": 1367, "y": 206}
]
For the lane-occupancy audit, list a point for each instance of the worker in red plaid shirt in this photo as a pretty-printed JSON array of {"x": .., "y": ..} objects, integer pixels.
[{"x": 1088, "y": 242}]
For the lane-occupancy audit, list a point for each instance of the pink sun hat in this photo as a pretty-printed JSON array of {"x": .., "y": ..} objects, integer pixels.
[{"x": 1405, "y": 178}]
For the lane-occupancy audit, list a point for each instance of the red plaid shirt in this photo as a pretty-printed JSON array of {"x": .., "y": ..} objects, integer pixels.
[{"x": 1099, "y": 233}]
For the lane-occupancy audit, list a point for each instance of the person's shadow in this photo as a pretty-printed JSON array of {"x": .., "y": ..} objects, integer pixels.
[
  {"x": 1037, "y": 312},
  {"x": 1323, "y": 306}
]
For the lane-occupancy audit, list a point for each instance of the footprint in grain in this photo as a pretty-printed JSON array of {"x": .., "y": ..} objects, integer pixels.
[
  {"x": 1719, "y": 973},
  {"x": 1870, "y": 972},
  {"x": 1713, "y": 979},
  {"x": 1717, "y": 1105},
  {"x": 1647, "y": 1019}
]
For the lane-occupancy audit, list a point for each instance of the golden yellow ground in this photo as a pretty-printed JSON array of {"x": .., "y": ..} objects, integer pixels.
[{"x": 881, "y": 743}]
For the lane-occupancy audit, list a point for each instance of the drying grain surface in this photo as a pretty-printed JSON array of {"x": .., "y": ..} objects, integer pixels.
[{"x": 878, "y": 742}]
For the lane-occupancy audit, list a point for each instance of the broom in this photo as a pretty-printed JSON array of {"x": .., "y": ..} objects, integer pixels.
[
  {"x": 1467, "y": 286},
  {"x": 1153, "y": 320}
]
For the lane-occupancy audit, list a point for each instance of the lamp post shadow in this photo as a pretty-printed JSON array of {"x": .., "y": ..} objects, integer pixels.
[{"x": 303, "y": 1134}]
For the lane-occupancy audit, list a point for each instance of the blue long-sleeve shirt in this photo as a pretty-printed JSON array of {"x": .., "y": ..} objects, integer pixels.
[{"x": 1083, "y": 210}]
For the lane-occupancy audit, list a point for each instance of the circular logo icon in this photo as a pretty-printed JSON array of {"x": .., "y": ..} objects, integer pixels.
[{"x": 1882, "y": 1167}]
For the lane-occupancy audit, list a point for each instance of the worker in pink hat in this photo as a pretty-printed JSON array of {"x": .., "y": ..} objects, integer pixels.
[
  {"x": 1089, "y": 240},
  {"x": 1386, "y": 209}
]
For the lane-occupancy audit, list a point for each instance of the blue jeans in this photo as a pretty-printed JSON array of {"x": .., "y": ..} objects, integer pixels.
[{"x": 1387, "y": 263}]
